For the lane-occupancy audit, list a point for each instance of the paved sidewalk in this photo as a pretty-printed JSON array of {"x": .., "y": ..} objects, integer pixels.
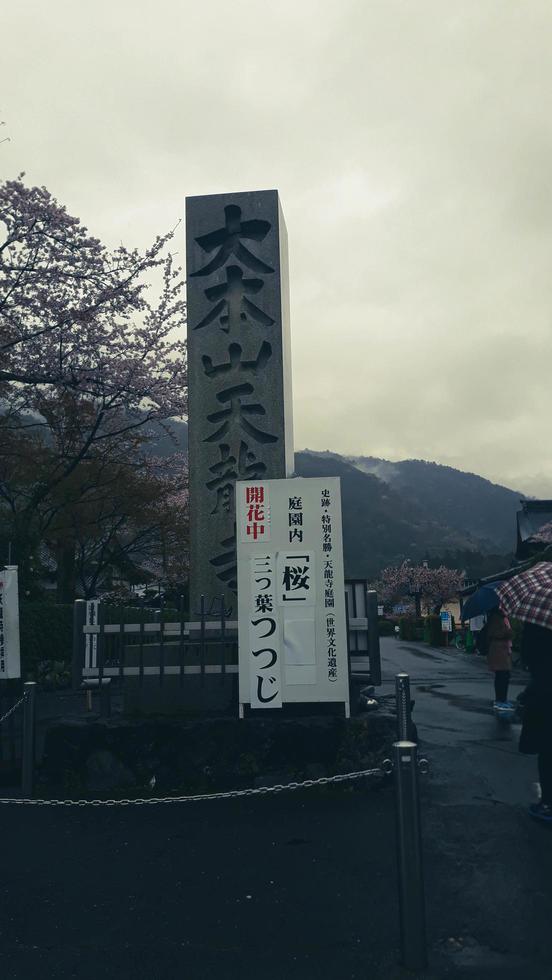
[{"x": 477, "y": 832}]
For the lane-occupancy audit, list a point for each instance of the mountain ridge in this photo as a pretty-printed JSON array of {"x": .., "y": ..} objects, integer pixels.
[
  {"x": 458, "y": 498},
  {"x": 409, "y": 509}
]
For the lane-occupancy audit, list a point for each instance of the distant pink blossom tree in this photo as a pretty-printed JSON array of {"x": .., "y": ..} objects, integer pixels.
[
  {"x": 544, "y": 534},
  {"x": 429, "y": 587}
]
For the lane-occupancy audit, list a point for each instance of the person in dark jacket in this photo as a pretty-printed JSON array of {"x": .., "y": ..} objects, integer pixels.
[{"x": 536, "y": 732}]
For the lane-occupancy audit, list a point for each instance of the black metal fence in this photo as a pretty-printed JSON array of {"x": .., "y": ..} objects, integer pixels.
[
  {"x": 122, "y": 648},
  {"x": 11, "y": 738},
  {"x": 157, "y": 643},
  {"x": 18, "y": 734}
]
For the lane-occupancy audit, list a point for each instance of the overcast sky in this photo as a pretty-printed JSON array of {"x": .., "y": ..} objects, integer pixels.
[{"x": 411, "y": 143}]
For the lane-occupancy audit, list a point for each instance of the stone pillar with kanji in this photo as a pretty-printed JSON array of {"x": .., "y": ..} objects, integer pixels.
[{"x": 239, "y": 372}]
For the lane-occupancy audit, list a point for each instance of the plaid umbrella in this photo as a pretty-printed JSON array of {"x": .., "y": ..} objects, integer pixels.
[{"x": 528, "y": 596}]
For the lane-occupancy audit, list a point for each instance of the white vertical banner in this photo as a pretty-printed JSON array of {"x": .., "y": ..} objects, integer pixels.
[
  {"x": 291, "y": 593},
  {"x": 91, "y": 639},
  {"x": 10, "y": 659}
]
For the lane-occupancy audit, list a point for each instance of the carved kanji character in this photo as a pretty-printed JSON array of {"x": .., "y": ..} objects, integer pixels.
[
  {"x": 235, "y": 363},
  {"x": 232, "y": 307},
  {"x": 225, "y": 563},
  {"x": 228, "y": 470},
  {"x": 229, "y": 240},
  {"x": 235, "y": 415}
]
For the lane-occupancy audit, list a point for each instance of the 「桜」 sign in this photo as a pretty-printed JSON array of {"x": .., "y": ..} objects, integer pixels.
[
  {"x": 10, "y": 663},
  {"x": 291, "y": 602}
]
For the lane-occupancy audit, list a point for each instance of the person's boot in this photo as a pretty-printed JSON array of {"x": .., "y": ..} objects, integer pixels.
[{"x": 541, "y": 811}]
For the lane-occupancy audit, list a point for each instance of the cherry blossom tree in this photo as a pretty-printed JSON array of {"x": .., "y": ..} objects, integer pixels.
[
  {"x": 91, "y": 356},
  {"x": 440, "y": 585},
  {"x": 429, "y": 587},
  {"x": 543, "y": 535},
  {"x": 75, "y": 315}
]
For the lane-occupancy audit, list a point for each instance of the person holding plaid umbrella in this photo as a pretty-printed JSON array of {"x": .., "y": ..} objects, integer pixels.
[
  {"x": 528, "y": 597},
  {"x": 536, "y": 733}
]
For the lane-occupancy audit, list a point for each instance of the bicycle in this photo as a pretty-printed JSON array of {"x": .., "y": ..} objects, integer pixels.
[{"x": 457, "y": 639}]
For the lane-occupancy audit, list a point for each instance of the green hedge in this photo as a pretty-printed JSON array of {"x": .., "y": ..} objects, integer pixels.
[
  {"x": 46, "y": 633},
  {"x": 46, "y": 629},
  {"x": 386, "y": 627},
  {"x": 433, "y": 634},
  {"x": 411, "y": 628}
]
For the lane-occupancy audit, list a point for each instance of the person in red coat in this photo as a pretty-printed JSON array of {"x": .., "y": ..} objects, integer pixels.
[{"x": 499, "y": 655}]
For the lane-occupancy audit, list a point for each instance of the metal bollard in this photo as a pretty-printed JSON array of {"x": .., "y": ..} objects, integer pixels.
[
  {"x": 402, "y": 693},
  {"x": 28, "y": 754},
  {"x": 409, "y": 856}
]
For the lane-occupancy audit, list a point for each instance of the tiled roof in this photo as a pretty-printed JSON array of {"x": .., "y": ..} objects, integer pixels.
[{"x": 534, "y": 527}]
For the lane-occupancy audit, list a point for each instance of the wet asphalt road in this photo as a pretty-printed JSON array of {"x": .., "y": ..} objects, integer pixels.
[
  {"x": 453, "y": 693},
  {"x": 297, "y": 886}
]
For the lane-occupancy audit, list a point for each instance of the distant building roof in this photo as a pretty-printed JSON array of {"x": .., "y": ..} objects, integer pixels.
[
  {"x": 506, "y": 573},
  {"x": 534, "y": 527},
  {"x": 534, "y": 536}
]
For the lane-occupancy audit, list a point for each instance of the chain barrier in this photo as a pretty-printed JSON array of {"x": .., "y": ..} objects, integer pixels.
[
  {"x": 230, "y": 795},
  {"x": 13, "y": 708}
]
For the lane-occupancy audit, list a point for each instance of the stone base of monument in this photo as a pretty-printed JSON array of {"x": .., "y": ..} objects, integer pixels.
[{"x": 158, "y": 757}]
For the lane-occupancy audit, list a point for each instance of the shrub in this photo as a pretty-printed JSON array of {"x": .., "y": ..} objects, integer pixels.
[
  {"x": 407, "y": 628},
  {"x": 46, "y": 634},
  {"x": 433, "y": 633},
  {"x": 386, "y": 627},
  {"x": 411, "y": 628},
  {"x": 53, "y": 674}
]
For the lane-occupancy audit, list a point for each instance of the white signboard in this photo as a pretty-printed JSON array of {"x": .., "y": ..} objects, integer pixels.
[
  {"x": 477, "y": 623},
  {"x": 10, "y": 662},
  {"x": 291, "y": 602},
  {"x": 446, "y": 622}
]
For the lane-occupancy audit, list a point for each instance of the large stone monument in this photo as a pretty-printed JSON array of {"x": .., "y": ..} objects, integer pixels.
[{"x": 239, "y": 371}]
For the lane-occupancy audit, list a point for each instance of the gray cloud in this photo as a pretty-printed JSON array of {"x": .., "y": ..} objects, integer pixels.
[{"x": 412, "y": 147}]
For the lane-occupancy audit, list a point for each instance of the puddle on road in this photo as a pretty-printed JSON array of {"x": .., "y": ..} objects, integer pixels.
[
  {"x": 463, "y": 701},
  {"x": 422, "y": 654}
]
